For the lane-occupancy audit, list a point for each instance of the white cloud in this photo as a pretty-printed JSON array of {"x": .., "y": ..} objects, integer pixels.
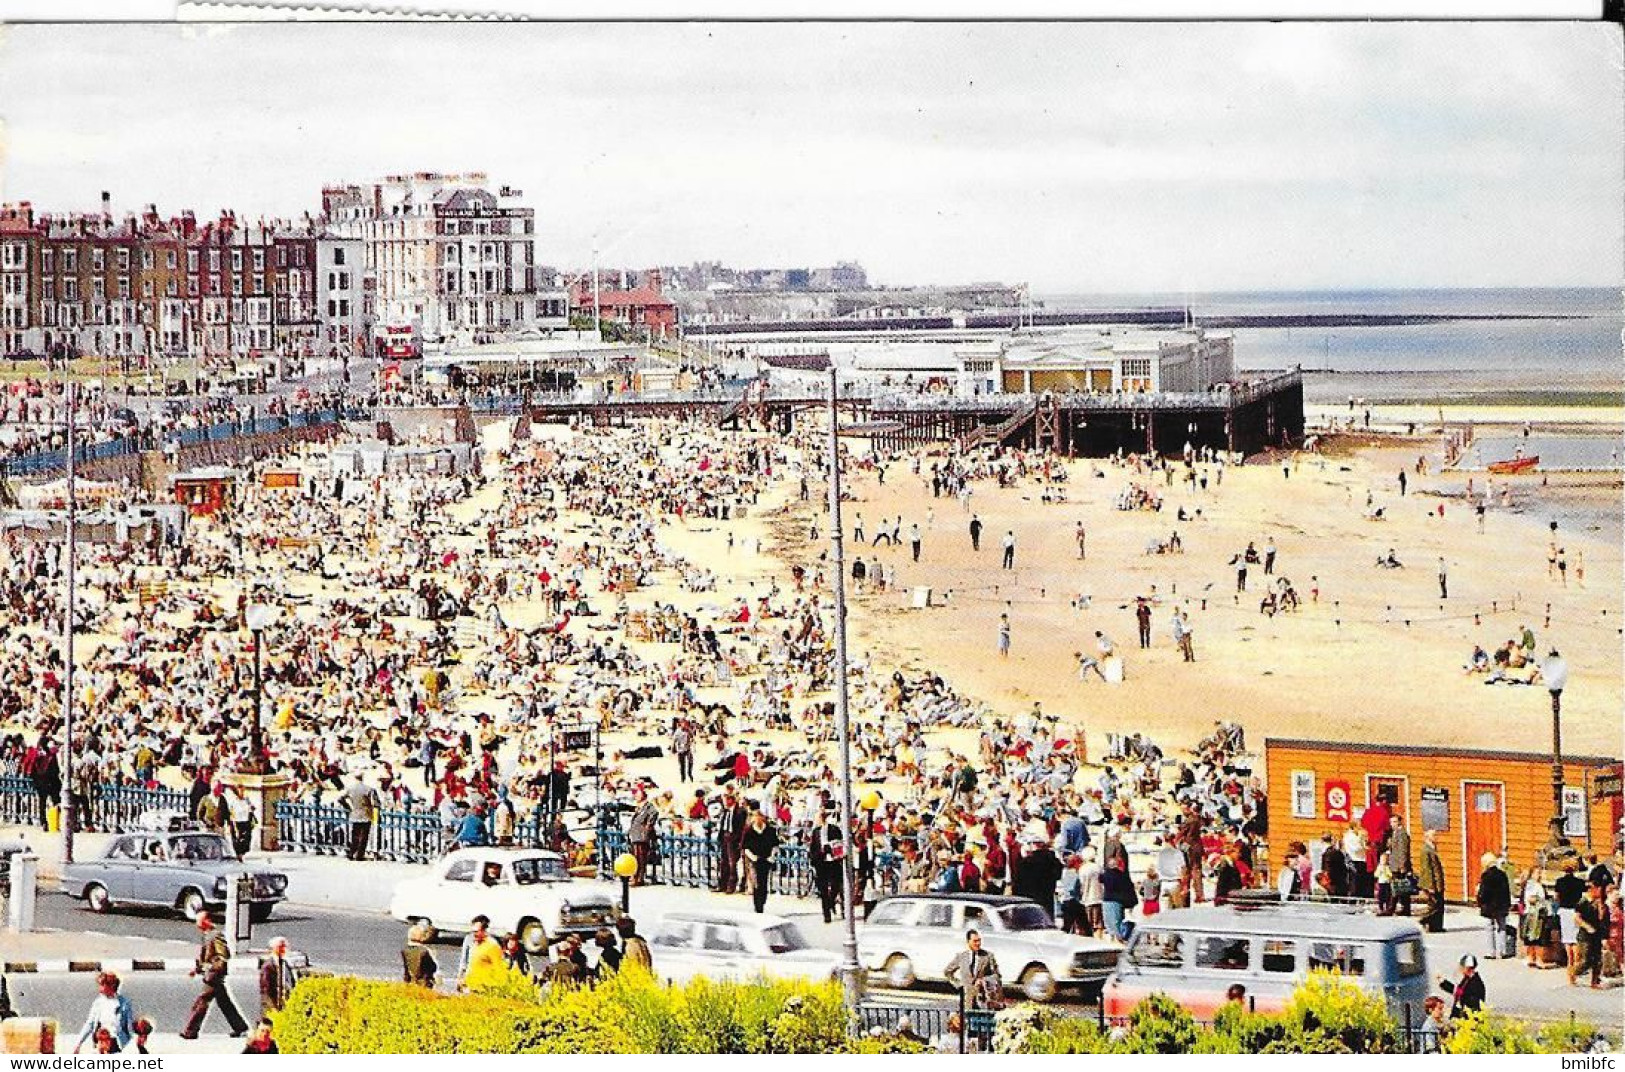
[{"x": 1092, "y": 157}]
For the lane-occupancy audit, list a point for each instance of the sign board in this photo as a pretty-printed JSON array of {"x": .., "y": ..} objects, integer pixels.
[
  {"x": 575, "y": 740},
  {"x": 1607, "y": 785},
  {"x": 1338, "y": 801},
  {"x": 281, "y": 480},
  {"x": 1435, "y": 807}
]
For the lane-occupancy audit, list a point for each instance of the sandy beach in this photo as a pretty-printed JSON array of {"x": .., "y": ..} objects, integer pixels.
[{"x": 1378, "y": 657}]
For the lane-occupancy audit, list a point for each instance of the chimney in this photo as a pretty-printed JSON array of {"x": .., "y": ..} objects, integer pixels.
[
  {"x": 652, "y": 280},
  {"x": 107, "y": 206}
]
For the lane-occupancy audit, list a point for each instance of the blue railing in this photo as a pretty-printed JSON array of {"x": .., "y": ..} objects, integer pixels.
[
  {"x": 46, "y": 461},
  {"x": 416, "y": 837},
  {"x": 19, "y": 804}
]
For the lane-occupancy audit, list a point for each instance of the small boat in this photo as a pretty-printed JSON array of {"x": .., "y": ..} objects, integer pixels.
[{"x": 1514, "y": 465}]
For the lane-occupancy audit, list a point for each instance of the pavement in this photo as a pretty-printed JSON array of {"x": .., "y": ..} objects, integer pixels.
[{"x": 337, "y": 915}]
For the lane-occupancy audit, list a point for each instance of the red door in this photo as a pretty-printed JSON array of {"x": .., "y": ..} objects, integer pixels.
[{"x": 1484, "y": 825}]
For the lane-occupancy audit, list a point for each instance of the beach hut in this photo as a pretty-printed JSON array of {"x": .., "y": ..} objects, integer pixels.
[{"x": 205, "y": 492}]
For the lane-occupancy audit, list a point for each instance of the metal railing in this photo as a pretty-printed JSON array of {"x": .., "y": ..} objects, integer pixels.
[
  {"x": 399, "y": 835},
  {"x": 19, "y": 803}
]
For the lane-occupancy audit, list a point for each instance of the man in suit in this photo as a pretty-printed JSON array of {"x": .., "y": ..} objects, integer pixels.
[
  {"x": 640, "y": 835},
  {"x": 277, "y": 978},
  {"x": 418, "y": 965},
  {"x": 975, "y": 972},
  {"x": 730, "y": 835},
  {"x": 213, "y": 961},
  {"x": 1431, "y": 882},
  {"x": 828, "y": 849},
  {"x": 362, "y": 802}
]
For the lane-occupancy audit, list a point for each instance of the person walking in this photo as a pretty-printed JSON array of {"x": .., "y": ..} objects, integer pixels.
[
  {"x": 1431, "y": 883},
  {"x": 730, "y": 834},
  {"x": 418, "y": 965},
  {"x": 975, "y": 973},
  {"x": 1269, "y": 557},
  {"x": 1182, "y": 631},
  {"x": 758, "y": 846},
  {"x": 241, "y": 814},
  {"x": 1444, "y": 580},
  {"x": 827, "y": 849},
  {"x": 1117, "y": 898},
  {"x": 1142, "y": 617},
  {"x": 1570, "y": 891},
  {"x": 640, "y": 835},
  {"x": 634, "y": 950},
  {"x": 1004, "y": 636},
  {"x": 975, "y": 532},
  {"x": 914, "y": 541},
  {"x": 1081, "y": 536},
  {"x": 1592, "y": 921},
  {"x": 213, "y": 963},
  {"x": 682, "y": 746},
  {"x": 480, "y": 961},
  {"x": 1010, "y": 549},
  {"x": 277, "y": 977},
  {"x": 1466, "y": 995},
  {"x": 1400, "y": 863},
  {"x": 110, "y": 1011},
  {"x": 1494, "y": 898},
  {"x": 362, "y": 801}
]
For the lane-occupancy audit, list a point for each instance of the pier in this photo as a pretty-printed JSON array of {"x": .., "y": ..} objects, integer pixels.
[{"x": 1247, "y": 417}]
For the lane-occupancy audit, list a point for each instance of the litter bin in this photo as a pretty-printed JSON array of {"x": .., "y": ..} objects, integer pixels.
[{"x": 53, "y": 819}]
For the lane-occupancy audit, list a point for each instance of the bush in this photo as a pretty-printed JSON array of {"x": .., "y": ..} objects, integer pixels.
[
  {"x": 1489, "y": 1032},
  {"x": 1569, "y": 1036},
  {"x": 1329, "y": 1005},
  {"x": 1078, "y": 1035},
  {"x": 1159, "y": 1025},
  {"x": 630, "y": 1013}
]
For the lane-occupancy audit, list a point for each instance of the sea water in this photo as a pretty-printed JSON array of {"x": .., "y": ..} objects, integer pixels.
[{"x": 1576, "y": 348}]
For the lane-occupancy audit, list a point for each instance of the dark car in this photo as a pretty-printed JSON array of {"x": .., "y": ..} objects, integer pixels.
[{"x": 188, "y": 871}]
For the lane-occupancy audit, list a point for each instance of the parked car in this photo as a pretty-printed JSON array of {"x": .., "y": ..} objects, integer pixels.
[
  {"x": 528, "y": 892},
  {"x": 735, "y": 945},
  {"x": 1193, "y": 955},
  {"x": 914, "y": 936},
  {"x": 186, "y": 870}
]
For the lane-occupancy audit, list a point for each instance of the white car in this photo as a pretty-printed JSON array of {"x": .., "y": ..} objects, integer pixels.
[
  {"x": 735, "y": 945},
  {"x": 528, "y": 892}
]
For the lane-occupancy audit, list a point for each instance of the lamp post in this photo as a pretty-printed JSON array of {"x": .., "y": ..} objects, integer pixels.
[
  {"x": 1555, "y": 673},
  {"x": 626, "y": 865},
  {"x": 69, "y": 608},
  {"x": 260, "y": 617},
  {"x": 851, "y": 974}
]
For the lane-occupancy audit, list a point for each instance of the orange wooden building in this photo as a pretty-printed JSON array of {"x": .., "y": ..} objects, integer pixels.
[{"x": 1478, "y": 801}]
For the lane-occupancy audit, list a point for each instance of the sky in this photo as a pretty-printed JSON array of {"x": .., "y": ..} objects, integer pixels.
[{"x": 1074, "y": 157}]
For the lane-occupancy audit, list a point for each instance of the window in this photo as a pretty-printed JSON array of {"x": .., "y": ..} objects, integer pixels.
[
  {"x": 122, "y": 849},
  {"x": 676, "y": 932},
  {"x": 259, "y": 260},
  {"x": 1280, "y": 955},
  {"x": 146, "y": 258},
  {"x": 124, "y": 288},
  {"x": 890, "y": 914},
  {"x": 98, "y": 260},
  {"x": 1409, "y": 960},
  {"x": 47, "y": 257},
  {"x": 169, "y": 260},
  {"x": 1223, "y": 953},
  {"x": 338, "y": 254},
  {"x": 784, "y": 938},
  {"x": 936, "y": 914},
  {"x": 236, "y": 260},
  {"x": 1303, "y": 794},
  {"x": 1338, "y": 957},
  {"x": 1574, "y": 811},
  {"x": 1157, "y": 949},
  {"x": 191, "y": 260},
  {"x": 1484, "y": 801},
  {"x": 723, "y": 939},
  {"x": 344, "y": 307},
  {"x": 282, "y": 256},
  {"x": 976, "y": 916},
  {"x": 123, "y": 259},
  {"x": 98, "y": 287},
  {"x": 461, "y": 871}
]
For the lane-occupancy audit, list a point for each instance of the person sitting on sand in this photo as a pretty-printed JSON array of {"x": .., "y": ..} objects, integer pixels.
[
  {"x": 1389, "y": 561},
  {"x": 1479, "y": 663}
]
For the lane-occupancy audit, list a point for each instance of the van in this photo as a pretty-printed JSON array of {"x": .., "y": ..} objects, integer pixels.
[{"x": 1194, "y": 956}]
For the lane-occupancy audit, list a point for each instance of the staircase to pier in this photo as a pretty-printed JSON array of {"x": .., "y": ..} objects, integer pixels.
[{"x": 998, "y": 433}]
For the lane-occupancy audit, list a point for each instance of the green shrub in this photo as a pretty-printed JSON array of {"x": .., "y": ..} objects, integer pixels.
[
  {"x": 1159, "y": 1025},
  {"x": 1568, "y": 1036},
  {"x": 1489, "y": 1032},
  {"x": 1076, "y": 1035},
  {"x": 885, "y": 1044},
  {"x": 1332, "y": 1005},
  {"x": 632, "y": 1013}
]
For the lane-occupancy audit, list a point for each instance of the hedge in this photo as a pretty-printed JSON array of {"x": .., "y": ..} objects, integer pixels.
[
  {"x": 1326, "y": 1014},
  {"x": 630, "y": 1013}
]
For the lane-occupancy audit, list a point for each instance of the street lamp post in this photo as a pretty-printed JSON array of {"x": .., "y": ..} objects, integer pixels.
[
  {"x": 260, "y": 617},
  {"x": 1555, "y": 673},
  {"x": 851, "y": 975},
  {"x": 626, "y": 865},
  {"x": 69, "y": 606}
]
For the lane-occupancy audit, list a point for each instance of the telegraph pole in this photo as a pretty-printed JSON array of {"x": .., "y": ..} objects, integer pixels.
[
  {"x": 851, "y": 973},
  {"x": 69, "y": 605}
]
